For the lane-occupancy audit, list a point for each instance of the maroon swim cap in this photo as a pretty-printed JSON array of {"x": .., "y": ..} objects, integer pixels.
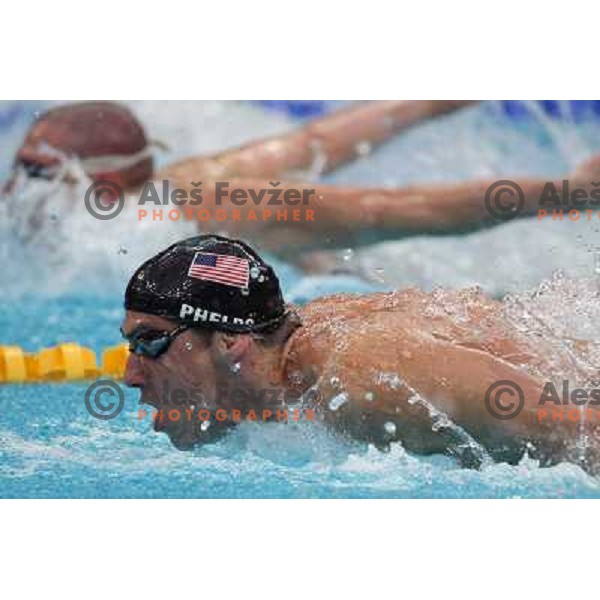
[{"x": 107, "y": 138}]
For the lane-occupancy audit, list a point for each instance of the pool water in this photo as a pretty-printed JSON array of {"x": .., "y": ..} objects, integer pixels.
[{"x": 72, "y": 291}]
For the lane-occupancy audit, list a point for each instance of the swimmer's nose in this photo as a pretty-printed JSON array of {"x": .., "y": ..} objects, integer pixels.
[{"x": 134, "y": 374}]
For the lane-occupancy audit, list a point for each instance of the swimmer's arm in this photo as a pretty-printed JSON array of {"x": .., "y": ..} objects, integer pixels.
[
  {"x": 321, "y": 145},
  {"x": 338, "y": 213},
  {"x": 414, "y": 209},
  {"x": 450, "y": 378},
  {"x": 344, "y": 211},
  {"x": 447, "y": 207},
  {"x": 333, "y": 216}
]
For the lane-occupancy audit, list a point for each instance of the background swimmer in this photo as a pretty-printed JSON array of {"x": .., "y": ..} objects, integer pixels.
[
  {"x": 102, "y": 140},
  {"x": 405, "y": 367}
]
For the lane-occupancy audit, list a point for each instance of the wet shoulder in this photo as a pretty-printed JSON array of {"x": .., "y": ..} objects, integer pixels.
[
  {"x": 356, "y": 306},
  {"x": 343, "y": 321},
  {"x": 333, "y": 322},
  {"x": 439, "y": 306}
]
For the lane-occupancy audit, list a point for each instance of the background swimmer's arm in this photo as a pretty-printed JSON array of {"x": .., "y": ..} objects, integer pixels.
[
  {"x": 446, "y": 207},
  {"x": 414, "y": 209},
  {"x": 320, "y": 146},
  {"x": 339, "y": 214}
]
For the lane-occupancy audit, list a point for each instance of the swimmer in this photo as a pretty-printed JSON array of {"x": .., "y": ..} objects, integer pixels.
[
  {"x": 66, "y": 149},
  {"x": 206, "y": 316},
  {"x": 104, "y": 137},
  {"x": 103, "y": 140}
]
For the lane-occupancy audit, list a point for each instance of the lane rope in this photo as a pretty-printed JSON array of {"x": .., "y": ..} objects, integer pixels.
[{"x": 65, "y": 362}]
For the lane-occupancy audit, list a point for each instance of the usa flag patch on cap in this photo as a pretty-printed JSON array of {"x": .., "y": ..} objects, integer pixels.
[{"x": 220, "y": 268}]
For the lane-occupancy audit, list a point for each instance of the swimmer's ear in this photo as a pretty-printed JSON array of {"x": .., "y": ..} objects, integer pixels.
[{"x": 231, "y": 347}]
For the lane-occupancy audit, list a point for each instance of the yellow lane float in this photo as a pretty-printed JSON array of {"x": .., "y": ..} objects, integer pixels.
[
  {"x": 65, "y": 362},
  {"x": 114, "y": 360},
  {"x": 13, "y": 367}
]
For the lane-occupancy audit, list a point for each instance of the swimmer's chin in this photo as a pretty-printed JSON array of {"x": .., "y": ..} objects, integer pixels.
[
  {"x": 187, "y": 443},
  {"x": 183, "y": 445}
]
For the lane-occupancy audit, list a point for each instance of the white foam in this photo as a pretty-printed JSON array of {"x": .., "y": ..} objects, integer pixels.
[{"x": 511, "y": 257}]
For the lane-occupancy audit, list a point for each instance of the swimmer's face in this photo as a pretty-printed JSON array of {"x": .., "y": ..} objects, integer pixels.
[
  {"x": 39, "y": 202},
  {"x": 183, "y": 378},
  {"x": 44, "y": 176}
]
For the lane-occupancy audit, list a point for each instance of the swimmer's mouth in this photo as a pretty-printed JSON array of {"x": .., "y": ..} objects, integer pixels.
[
  {"x": 159, "y": 424},
  {"x": 147, "y": 400}
]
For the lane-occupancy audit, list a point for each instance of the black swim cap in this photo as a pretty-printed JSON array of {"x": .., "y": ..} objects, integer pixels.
[{"x": 211, "y": 282}]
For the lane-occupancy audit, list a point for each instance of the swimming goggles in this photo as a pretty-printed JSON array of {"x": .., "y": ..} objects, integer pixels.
[{"x": 152, "y": 343}]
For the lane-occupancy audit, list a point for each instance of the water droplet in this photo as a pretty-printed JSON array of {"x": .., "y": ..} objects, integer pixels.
[
  {"x": 440, "y": 422},
  {"x": 347, "y": 254},
  {"x": 597, "y": 264},
  {"x": 543, "y": 288},
  {"x": 338, "y": 401},
  {"x": 369, "y": 396},
  {"x": 390, "y": 428},
  {"x": 364, "y": 148},
  {"x": 393, "y": 380},
  {"x": 319, "y": 157},
  {"x": 261, "y": 278},
  {"x": 379, "y": 274},
  {"x": 335, "y": 381},
  {"x": 254, "y": 272},
  {"x": 188, "y": 346},
  {"x": 235, "y": 368},
  {"x": 205, "y": 425}
]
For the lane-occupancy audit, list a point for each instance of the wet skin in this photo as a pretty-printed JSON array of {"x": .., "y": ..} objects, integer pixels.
[{"x": 402, "y": 366}]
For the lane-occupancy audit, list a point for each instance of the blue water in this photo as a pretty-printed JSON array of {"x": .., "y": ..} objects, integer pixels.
[{"x": 51, "y": 447}]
